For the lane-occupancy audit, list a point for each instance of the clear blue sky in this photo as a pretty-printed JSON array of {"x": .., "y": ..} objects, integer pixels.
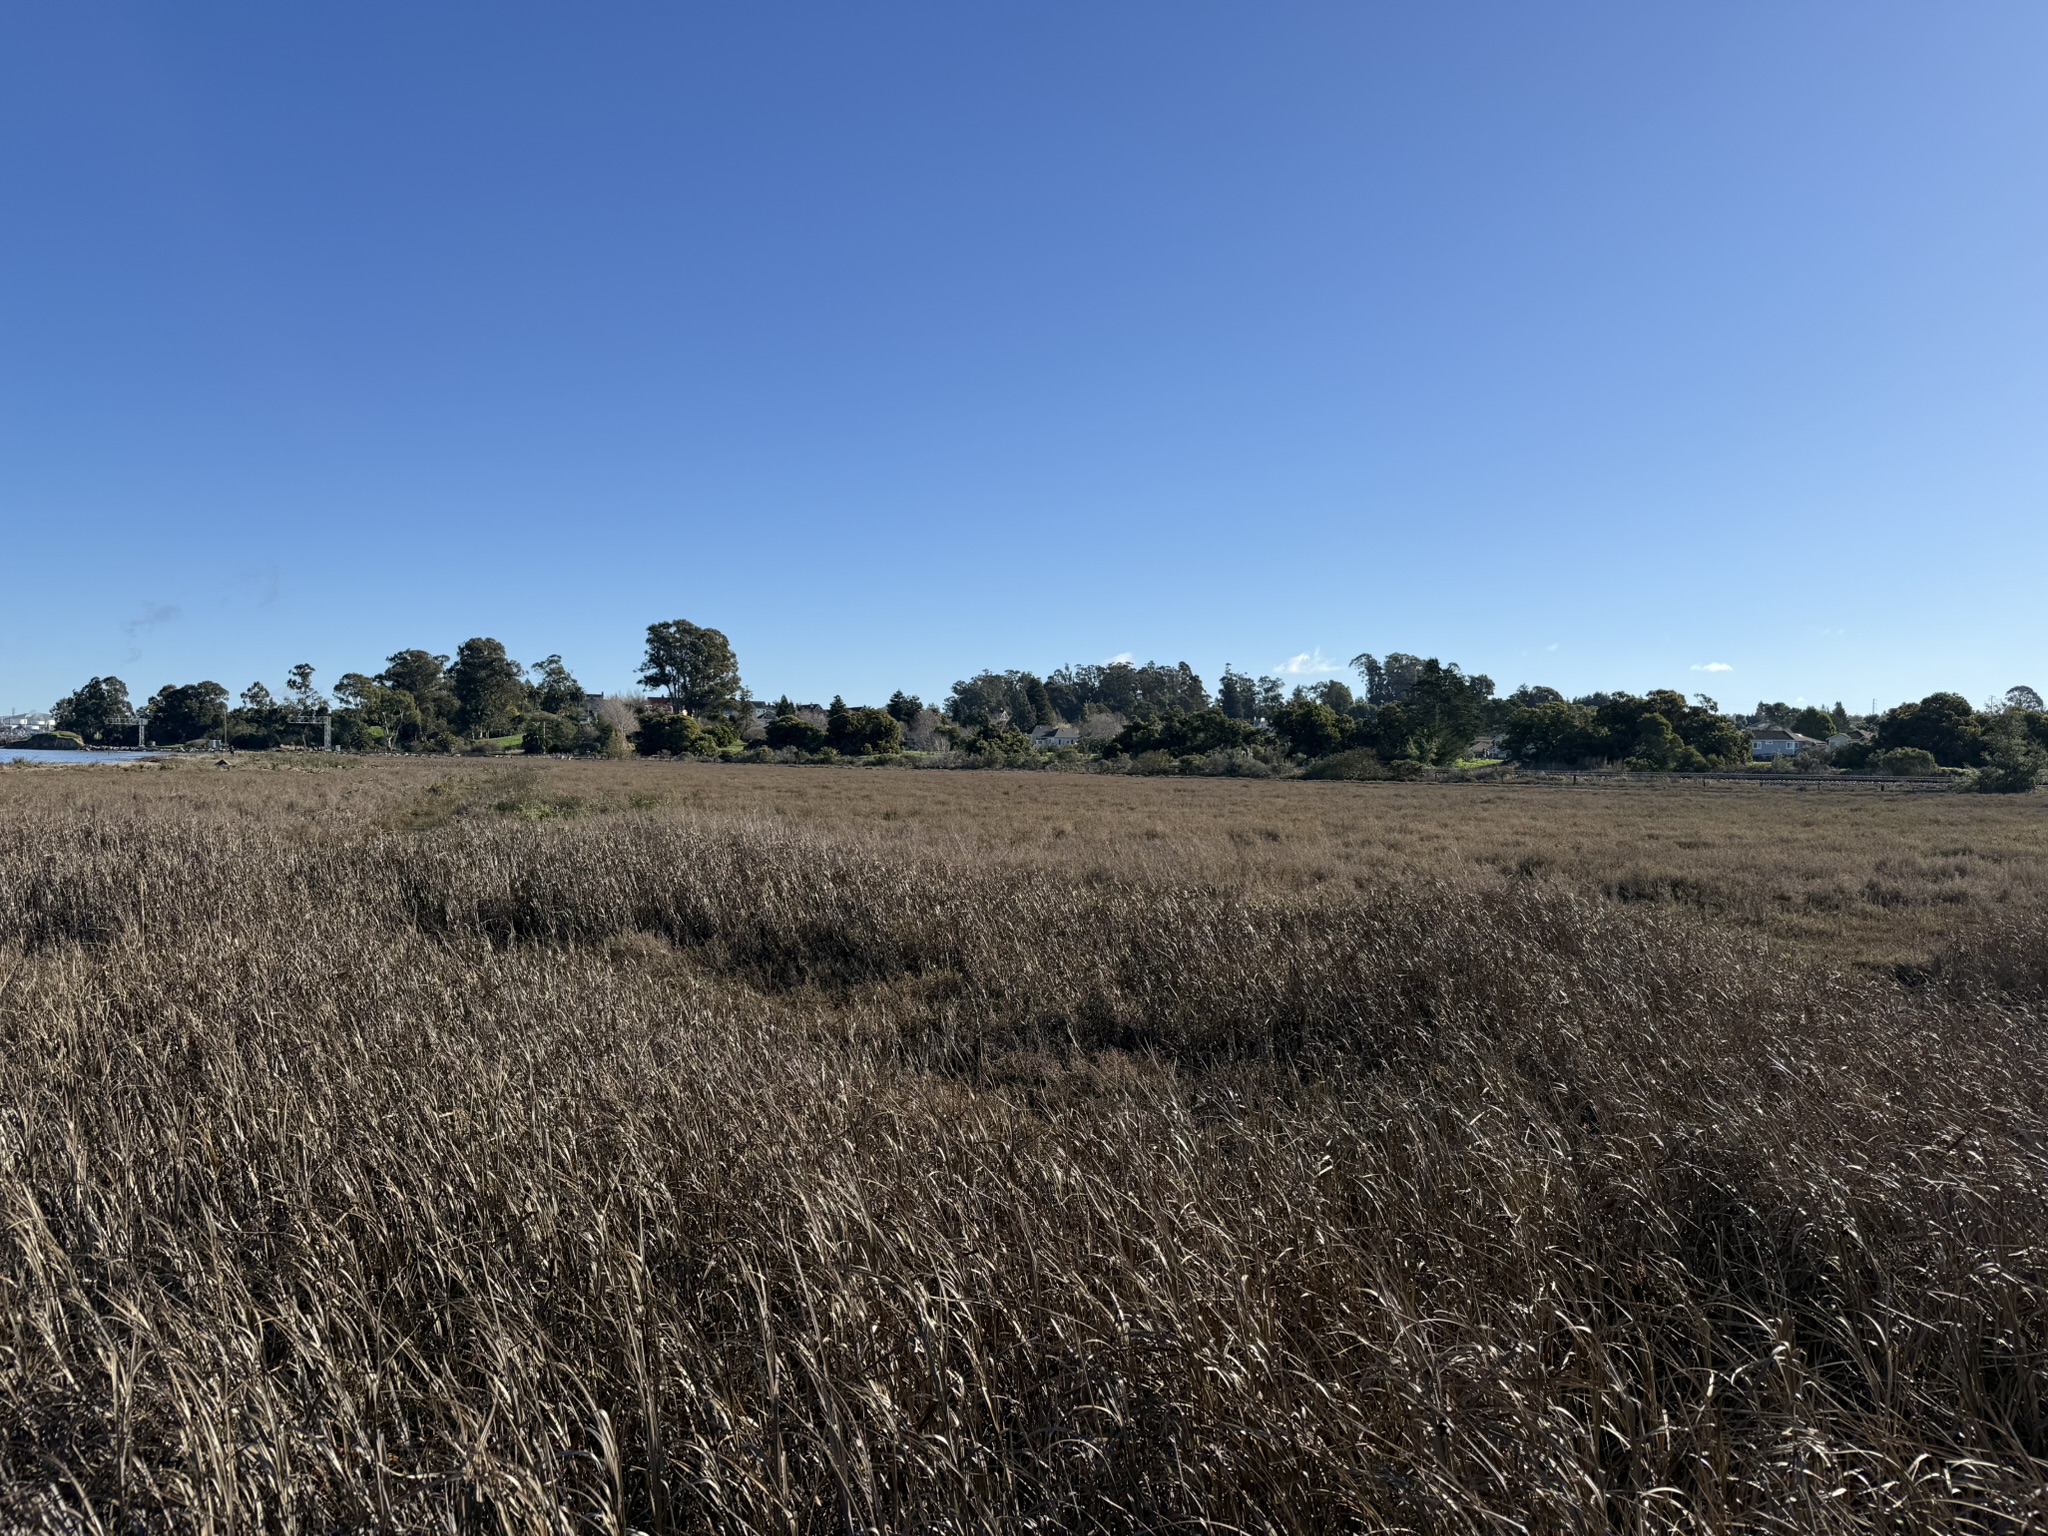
[{"x": 1583, "y": 344}]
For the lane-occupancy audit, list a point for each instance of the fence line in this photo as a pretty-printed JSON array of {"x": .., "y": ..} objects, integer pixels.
[{"x": 1876, "y": 781}]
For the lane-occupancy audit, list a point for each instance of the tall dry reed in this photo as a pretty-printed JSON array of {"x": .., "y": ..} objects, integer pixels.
[{"x": 482, "y": 1164}]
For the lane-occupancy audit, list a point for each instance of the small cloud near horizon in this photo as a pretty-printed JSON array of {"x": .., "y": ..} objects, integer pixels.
[
  {"x": 1121, "y": 656},
  {"x": 1308, "y": 664},
  {"x": 1711, "y": 666}
]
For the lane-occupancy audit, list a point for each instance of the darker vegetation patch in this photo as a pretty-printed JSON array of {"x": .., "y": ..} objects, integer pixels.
[
  {"x": 2003, "y": 957},
  {"x": 1678, "y": 890}
]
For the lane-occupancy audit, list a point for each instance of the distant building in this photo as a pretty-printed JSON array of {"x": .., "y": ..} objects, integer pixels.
[
  {"x": 1050, "y": 736},
  {"x": 31, "y": 724},
  {"x": 764, "y": 711},
  {"x": 1769, "y": 741}
]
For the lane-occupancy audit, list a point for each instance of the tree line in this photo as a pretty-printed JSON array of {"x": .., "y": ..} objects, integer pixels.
[
  {"x": 1419, "y": 712},
  {"x": 420, "y": 702},
  {"x": 1406, "y": 711},
  {"x": 425, "y": 701}
]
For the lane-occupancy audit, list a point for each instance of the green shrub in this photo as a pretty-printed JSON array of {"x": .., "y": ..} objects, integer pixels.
[
  {"x": 1309, "y": 728},
  {"x": 1184, "y": 735},
  {"x": 1233, "y": 763},
  {"x": 665, "y": 735},
  {"x": 1007, "y": 741},
  {"x": 352, "y": 733},
  {"x": 1942, "y": 725},
  {"x": 863, "y": 732},
  {"x": 433, "y": 737},
  {"x": 547, "y": 733},
  {"x": 1358, "y": 763},
  {"x": 795, "y": 733},
  {"x": 1909, "y": 762},
  {"x": 2013, "y": 761},
  {"x": 718, "y": 737}
]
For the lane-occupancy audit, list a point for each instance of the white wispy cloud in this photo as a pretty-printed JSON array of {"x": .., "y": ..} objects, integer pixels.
[
  {"x": 1711, "y": 666},
  {"x": 1309, "y": 664},
  {"x": 1123, "y": 656}
]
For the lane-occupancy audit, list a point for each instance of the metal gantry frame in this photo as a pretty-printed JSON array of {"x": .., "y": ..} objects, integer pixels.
[{"x": 326, "y": 724}]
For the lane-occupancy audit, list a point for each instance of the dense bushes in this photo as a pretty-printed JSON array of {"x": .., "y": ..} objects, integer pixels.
[
  {"x": 1658, "y": 731},
  {"x": 846, "y": 732},
  {"x": 2014, "y": 756},
  {"x": 790, "y": 732},
  {"x": 1907, "y": 762},
  {"x": 862, "y": 732},
  {"x": 1309, "y": 728},
  {"x": 1359, "y": 763},
  {"x": 998, "y": 744},
  {"x": 1438, "y": 712},
  {"x": 1181, "y": 735},
  {"x": 547, "y": 734},
  {"x": 1943, "y": 725},
  {"x": 678, "y": 735}
]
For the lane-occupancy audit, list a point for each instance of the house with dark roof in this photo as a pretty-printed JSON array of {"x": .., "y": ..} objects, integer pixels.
[{"x": 1769, "y": 741}]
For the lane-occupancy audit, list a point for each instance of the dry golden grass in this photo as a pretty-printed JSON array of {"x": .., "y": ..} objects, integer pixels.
[
  {"x": 1853, "y": 875},
  {"x": 679, "y": 1147}
]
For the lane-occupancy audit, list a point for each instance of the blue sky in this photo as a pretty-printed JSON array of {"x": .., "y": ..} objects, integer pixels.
[{"x": 1591, "y": 345}]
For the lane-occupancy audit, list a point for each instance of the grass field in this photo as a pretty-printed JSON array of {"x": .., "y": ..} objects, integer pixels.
[{"x": 676, "y": 1147}]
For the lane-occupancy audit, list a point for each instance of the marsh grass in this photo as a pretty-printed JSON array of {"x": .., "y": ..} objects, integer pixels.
[{"x": 634, "y": 1147}]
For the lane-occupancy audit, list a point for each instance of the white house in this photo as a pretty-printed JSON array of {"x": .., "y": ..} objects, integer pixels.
[
  {"x": 1050, "y": 736},
  {"x": 1768, "y": 741}
]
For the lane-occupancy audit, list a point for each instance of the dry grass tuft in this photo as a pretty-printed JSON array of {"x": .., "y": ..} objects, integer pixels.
[{"x": 410, "y": 1146}]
